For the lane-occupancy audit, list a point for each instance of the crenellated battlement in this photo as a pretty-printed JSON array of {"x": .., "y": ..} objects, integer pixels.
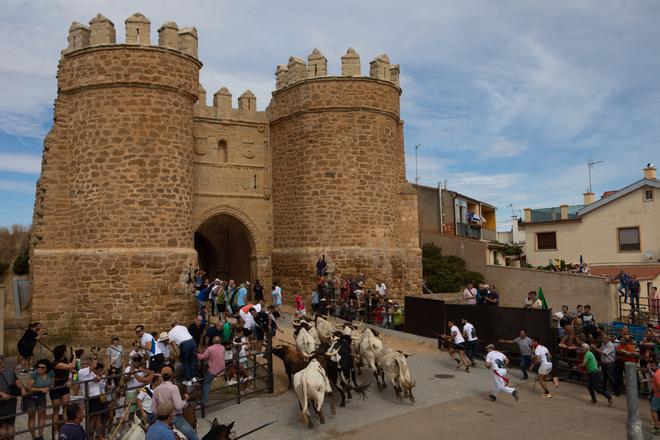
[
  {"x": 297, "y": 70},
  {"x": 101, "y": 31},
  {"x": 221, "y": 107}
]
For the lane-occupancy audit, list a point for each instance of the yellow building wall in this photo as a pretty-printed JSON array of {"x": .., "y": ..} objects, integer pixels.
[{"x": 595, "y": 237}]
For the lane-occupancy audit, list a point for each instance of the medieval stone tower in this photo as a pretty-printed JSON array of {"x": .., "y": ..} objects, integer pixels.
[{"x": 142, "y": 181}]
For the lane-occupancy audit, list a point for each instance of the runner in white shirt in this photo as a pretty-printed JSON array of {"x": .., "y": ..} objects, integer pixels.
[
  {"x": 457, "y": 349},
  {"x": 544, "y": 359},
  {"x": 497, "y": 362},
  {"x": 471, "y": 340}
]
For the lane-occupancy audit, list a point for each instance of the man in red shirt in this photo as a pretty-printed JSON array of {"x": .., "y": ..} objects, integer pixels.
[{"x": 215, "y": 357}]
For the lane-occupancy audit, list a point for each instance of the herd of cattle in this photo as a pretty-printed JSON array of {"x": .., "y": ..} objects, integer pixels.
[{"x": 327, "y": 355}]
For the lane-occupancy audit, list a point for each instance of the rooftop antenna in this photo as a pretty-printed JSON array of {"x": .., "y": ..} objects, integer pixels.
[{"x": 590, "y": 165}]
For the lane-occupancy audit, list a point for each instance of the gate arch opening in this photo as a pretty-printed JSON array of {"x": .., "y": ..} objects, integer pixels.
[{"x": 226, "y": 249}]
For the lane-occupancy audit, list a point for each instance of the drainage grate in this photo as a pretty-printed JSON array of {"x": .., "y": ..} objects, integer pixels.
[{"x": 444, "y": 376}]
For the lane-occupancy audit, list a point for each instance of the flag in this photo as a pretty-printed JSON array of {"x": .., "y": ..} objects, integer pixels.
[{"x": 542, "y": 298}]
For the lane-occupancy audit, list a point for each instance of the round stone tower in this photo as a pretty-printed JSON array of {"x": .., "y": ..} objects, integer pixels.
[
  {"x": 338, "y": 176},
  {"x": 113, "y": 217}
]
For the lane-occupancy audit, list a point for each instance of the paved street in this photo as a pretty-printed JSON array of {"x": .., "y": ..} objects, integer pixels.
[{"x": 448, "y": 403}]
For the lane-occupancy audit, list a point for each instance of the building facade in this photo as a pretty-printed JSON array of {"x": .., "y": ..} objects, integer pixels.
[
  {"x": 142, "y": 181},
  {"x": 620, "y": 230}
]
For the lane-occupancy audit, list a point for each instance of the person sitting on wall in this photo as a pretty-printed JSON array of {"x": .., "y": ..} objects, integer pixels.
[{"x": 321, "y": 266}]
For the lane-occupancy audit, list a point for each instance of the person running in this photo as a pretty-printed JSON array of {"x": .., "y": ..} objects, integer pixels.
[
  {"x": 458, "y": 347},
  {"x": 497, "y": 362},
  {"x": 525, "y": 347},
  {"x": 543, "y": 358},
  {"x": 593, "y": 376},
  {"x": 471, "y": 340}
]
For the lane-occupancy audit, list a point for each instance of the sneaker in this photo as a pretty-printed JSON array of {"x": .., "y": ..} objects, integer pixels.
[
  {"x": 547, "y": 395},
  {"x": 194, "y": 380},
  {"x": 515, "y": 395},
  {"x": 467, "y": 369},
  {"x": 231, "y": 382},
  {"x": 187, "y": 383},
  {"x": 492, "y": 397}
]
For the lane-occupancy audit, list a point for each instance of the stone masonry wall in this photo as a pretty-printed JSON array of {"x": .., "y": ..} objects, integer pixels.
[
  {"x": 336, "y": 183},
  {"x": 117, "y": 255}
]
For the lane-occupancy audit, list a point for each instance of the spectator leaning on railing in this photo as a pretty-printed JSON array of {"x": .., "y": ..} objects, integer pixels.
[{"x": 10, "y": 389}]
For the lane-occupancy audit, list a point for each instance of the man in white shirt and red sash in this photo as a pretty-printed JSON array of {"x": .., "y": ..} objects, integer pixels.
[{"x": 497, "y": 362}]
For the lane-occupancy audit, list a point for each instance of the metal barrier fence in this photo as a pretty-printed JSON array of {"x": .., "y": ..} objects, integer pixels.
[
  {"x": 428, "y": 317},
  {"x": 115, "y": 398}
]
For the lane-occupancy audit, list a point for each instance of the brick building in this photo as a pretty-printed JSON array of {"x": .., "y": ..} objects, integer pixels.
[{"x": 143, "y": 181}]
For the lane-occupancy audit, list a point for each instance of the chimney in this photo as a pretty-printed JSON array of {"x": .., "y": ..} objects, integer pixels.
[
  {"x": 649, "y": 172},
  {"x": 589, "y": 198},
  {"x": 528, "y": 215},
  {"x": 563, "y": 212}
]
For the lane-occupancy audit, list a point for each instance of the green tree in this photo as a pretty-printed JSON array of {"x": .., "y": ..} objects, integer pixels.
[{"x": 445, "y": 273}]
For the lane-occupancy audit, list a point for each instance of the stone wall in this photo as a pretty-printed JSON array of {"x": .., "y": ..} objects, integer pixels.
[
  {"x": 336, "y": 144},
  {"x": 558, "y": 288},
  {"x": 114, "y": 256}
]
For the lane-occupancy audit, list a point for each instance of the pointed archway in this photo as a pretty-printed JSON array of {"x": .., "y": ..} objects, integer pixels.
[{"x": 226, "y": 248}]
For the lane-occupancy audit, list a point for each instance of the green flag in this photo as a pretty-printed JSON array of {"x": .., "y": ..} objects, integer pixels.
[{"x": 542, "y": 298}]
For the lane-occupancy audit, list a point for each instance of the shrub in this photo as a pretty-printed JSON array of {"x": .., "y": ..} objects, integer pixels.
[
  {"x": 22, "y": 263},
  {"x": 445, "y": 273}
]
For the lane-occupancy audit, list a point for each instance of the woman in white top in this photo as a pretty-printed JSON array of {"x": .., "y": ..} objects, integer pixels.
[{"x": 470, "y": 295}]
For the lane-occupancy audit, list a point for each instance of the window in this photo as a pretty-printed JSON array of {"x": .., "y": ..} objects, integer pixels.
[
  {"x": 629, "y": 239},
  {"x": 546, "y": 241},
  {"x": 648, "y": 195}
]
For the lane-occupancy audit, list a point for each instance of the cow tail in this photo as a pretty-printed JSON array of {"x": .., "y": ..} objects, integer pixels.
[
  {"x": 305, "y": 410},
  {"x": 404, "y": 374}
]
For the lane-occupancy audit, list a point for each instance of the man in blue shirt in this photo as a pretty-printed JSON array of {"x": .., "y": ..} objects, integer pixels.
[
  {"x": 242, "y": 295},
  {"x": 72, "y": 430},
  {"x": 161, "y": 429}
]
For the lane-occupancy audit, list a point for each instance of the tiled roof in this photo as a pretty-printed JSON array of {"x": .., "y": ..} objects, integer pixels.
[{"x": 646, "y": 272}]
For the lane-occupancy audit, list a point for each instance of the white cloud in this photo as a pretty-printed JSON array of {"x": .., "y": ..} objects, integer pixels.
[
  {"x": 20, "y": 163},
  {"x": 17, "y": 186}
]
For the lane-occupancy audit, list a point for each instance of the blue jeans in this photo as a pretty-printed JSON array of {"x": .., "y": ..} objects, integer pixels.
[
  {"x": 525, "y": 362},
  {"x": 634, "y": 298},
  {"x": 206, "y": 388},
  {"x": 180, "y": 423},
  {"x": 188, "y": 358}
]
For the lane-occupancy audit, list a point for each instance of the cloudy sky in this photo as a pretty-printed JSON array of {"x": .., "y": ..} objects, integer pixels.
[{"x": 508, "y": 99}]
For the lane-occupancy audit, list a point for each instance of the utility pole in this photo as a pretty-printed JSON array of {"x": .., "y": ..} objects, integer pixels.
[
  {"x": 416, "y": 172},
  {"x": 590, "y": 165}
]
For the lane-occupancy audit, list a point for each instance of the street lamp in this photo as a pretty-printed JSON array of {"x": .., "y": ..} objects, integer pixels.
[{"x": 416, "y": 173}]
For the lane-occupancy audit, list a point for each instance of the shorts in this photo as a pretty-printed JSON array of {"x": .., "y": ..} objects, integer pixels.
[
  {"x": 57, "y": 393},
  {"x": 26, "y": 349},
  {"x": 33, "y": 402},
  {"x": 655, "y": 404},
  {"x": 458, "y": 347},
  {"x": 545, "y": 368},
  {"x": 95, "y": 405},
  {"x": 130, "y": 397},
  {"x": 8, "y": 408}
]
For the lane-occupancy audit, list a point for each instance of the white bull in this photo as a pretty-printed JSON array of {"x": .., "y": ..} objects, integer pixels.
[
  {"x": 325, "y": 328},
  {"x": 311, "y": 385},
  {"x": 395, "y": 371},
  {"x": 305, "y": 342},
  {"x": 371, "y": 350}
]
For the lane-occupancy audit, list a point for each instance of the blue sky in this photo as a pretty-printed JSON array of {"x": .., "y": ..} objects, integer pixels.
[{"x": 508, "y": 99}]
